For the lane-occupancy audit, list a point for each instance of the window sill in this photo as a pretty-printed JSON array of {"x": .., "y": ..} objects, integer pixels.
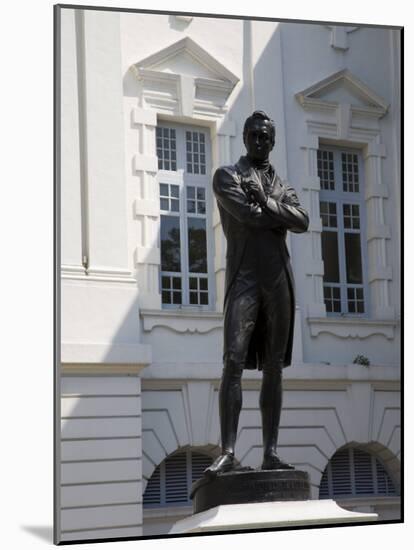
[
  {"x": 182, "y": 320},
  {"x": 352, "y": 327}
]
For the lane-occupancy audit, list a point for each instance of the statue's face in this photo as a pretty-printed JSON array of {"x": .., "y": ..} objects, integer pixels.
[{"x": 258, "y": 140}]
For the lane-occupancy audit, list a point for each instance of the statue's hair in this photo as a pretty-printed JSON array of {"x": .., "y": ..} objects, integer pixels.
[{"x": 261, "y": 115}]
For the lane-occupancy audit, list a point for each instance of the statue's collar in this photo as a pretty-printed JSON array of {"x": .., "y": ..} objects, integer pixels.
[{"x": 246, "y": 168}]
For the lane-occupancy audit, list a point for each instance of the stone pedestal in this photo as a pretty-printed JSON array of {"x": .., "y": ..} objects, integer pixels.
[
  {"x": 258, "y": 499},
  {"x": 248, "y": 486},
  {"x": 260, "y": 515}
]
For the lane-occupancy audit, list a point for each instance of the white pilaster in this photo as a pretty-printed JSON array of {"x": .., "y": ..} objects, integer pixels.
[
  {"x": 146, "y": 208},
  {"x": 222, "y": 149},
  {"x": 70, "y": 154},
  {"x": 380, "y": 273},
  {"x": 314, "y": 263},
  {"x": 104, "y": 142}
]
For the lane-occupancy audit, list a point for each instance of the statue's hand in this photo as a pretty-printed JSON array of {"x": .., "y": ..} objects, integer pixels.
[{"x": 255, "y": 192}]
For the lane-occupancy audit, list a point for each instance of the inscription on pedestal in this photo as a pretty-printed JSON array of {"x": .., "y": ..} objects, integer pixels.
[{"x": 250, "y": 486}]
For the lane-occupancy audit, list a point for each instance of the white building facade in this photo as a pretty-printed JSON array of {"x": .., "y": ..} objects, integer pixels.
[{"x": 150, "y": 106}]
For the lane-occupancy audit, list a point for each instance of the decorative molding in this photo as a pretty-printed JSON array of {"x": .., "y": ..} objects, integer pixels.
[
  {"x": 322, "y": 420},
  {"x": 145, "y": 163},
  {"x": 314, "y": 104},
  {"x": 216, "y": 221},
  {"x": 376, "y": 190},
  {"x": 143, "y": 116},
  {"x": 312, "y": 97},
  {"x": 97, "y": 274},
  {"x": 92, "y": 278},
  {"x": 105, "y": 354},
  {"x": 109, "y": 272},
  {"x": 183, "y": 320},
  {"x": 187, "y": 95},
  {"x": 147, "y": 255},
  {"x": 184, "y": 79},
  {"x": 72, "y": 269},
  {"x": 380, "y": 273},
  {"x": 352, "y": 327},
  {"x": 150, "y": 299},
  {"x": 76, "y": 369},
  {"x": 311, "y": 183},
  {"x": 226, "y": 127},
  {"x": 383, "y": 312},
  {"x": 315, "y": 225},
  {"x": 315, "y": 267},
  {"x": 152, "y": 382},
  {"x": 184, "y": 18},
  {"x": 188, "y": 46},
  {"x": 375, "y": 150},
  {"x": 147, "y": 207},
  {"x": 316, "y": 309},
  {"x": 302, "y": 376},
  {"x": 339, "y": 36},
  {"x": 378, "y": 231},
  {"x": 334, "y": 118}
]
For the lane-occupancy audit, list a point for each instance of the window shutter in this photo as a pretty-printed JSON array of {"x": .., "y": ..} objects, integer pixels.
[
  {"x": 323, "y": 487},
  {"x": 170, "y": 484},
  {"x": 176, "y": 490},
  {"x": 341, "y": 473},
  {"x": 199, "y": 463},
  {"x": 353, "y": 473},
  {"x": 384, "y": 482},
  {"x": 152, "y": 495},
  {"x": 363, "y": 473}
]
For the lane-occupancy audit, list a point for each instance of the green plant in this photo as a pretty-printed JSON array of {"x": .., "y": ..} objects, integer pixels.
[{"x": 361, "y": 360}]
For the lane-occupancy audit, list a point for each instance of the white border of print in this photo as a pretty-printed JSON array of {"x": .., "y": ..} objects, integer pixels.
[{"x": 27, "y": 300}]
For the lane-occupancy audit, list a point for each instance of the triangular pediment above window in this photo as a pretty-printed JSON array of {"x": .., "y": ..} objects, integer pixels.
[
  {"x": 342, "y": 88},
  {"x": 185, "y": 63},
  {"x": 188, "y": 58},
  {"x": 188, "y": 77}
]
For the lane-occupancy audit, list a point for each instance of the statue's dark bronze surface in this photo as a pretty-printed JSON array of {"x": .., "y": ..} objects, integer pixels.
[
  {"x": 246, "y": 487},
  {"x": 256, "y": 211}
]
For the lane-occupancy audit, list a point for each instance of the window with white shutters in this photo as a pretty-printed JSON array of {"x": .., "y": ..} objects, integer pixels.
[
  {"x": 170, "y": 484},
  {"x": 355, "y": 473},
  {"x": 343, "y": 231},
  {"x": 184, "y": 181}
]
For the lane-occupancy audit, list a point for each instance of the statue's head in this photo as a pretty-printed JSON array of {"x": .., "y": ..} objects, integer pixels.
[{"x": 259, "y": 134}]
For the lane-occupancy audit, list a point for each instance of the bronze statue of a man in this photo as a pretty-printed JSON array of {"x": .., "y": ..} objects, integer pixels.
[{"x": 256, "y": 210}]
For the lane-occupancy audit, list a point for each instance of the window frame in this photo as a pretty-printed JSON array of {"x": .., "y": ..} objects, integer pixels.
[
  {"x": 341, "y": 197},
  {"x": 183, "y": 180}
]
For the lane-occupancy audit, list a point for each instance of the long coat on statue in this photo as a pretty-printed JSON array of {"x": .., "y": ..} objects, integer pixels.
[{"x": 239, "y": 216}]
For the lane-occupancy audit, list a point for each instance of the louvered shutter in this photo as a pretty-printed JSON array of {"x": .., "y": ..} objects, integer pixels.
[
  {"x": 324, "y": 487},
  {"x": 152, "y": 495},
  {"x": 176, "y": 486},
  {"x": 363, "y": 473},
  {"x": 384, "y": 482},
  {"x": 341, "y": 474},
  {"x": 353, "y": 473},
  {"x": 199, "y": 463},
  {"x": 171, "y": 481}
]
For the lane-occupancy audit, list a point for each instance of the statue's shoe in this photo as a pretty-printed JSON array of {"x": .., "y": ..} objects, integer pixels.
[
  {"x": 223, "y": 463},
  {"x": 273, "y": 462}
]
